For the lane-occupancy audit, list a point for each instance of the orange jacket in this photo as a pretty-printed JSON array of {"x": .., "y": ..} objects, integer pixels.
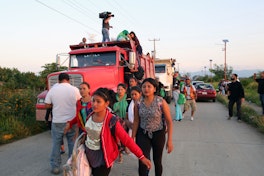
[{"x": 192, "y": 92}]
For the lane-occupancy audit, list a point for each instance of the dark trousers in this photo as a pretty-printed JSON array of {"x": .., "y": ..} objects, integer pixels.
[
  {"x": 261, "y": 97},
  {"x": 101, "y": 171},
  {"x": 157, "y": 143},
  {"x": 238, "y": 105}
]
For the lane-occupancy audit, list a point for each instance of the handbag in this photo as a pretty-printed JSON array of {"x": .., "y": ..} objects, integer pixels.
[{"x": 77, "y": 164}]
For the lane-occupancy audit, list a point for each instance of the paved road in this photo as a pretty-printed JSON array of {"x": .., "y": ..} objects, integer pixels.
[{"x": 208, "y": 146}]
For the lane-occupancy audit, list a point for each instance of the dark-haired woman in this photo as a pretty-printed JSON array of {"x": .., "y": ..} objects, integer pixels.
[
  {"x": 83, "y": 109},
  {"x": 152, "y": 116},
  {"x": 133, "y": 37},
  {"x": 100, "y": 145},
  {"x": 120, "y": 109}
]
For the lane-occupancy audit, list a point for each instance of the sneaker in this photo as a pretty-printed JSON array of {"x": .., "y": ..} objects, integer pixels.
[
  {"x": 229, "y": 118},
  {"x": 191, "y": 118},
  {"x": 239, "y": 120},
  {"x": 55, "y": 171},
  {"x": 182, "y": 116}
]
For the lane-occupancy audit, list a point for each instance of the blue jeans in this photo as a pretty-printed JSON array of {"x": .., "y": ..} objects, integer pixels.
[
  {"x": 57, "y": 138},
  {"x": 261, "y": 97},
  {"x": 105, "y": 33}
]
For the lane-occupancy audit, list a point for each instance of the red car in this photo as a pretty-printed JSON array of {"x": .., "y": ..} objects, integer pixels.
[{"x": 205, "y": 91}]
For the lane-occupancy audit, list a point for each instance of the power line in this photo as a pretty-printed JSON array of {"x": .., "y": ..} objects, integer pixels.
[
  {"x": 66, "y": 16},
  {"x": 79, "y": 8}
]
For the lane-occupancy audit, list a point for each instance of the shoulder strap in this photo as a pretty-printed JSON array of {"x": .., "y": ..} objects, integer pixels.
[{"x": 112, "y": 125}]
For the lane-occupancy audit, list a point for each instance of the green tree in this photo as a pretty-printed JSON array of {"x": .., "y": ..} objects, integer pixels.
[
  {"x": 50, "y": 68},
  {"x": 219, "y": 72}
]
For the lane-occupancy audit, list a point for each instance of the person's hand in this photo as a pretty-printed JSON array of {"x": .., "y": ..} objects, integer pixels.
[
  {"x": 146, "y": 162},
  {"x": 67, "y": 128},
  {"x": 242, "y": 100},
  {"x": 169, "y": 146}
]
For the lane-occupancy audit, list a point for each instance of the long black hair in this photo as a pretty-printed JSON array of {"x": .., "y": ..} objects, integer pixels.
[{"x": 107, "y": 95}]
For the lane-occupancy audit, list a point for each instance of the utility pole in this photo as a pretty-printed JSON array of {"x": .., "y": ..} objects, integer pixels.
[
  {"x": 225, "y": 41},
  {"x": 211, "y": 69},
  {"x": 154, "y": 41}
]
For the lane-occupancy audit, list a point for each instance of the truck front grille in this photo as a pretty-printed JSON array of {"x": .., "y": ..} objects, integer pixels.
[{"x": 75, "y": 80}]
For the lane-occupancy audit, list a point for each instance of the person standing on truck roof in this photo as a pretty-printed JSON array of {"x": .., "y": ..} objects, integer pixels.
[
  {"x": 106, "y": 27},
  {"x": 62, "y": 98}
]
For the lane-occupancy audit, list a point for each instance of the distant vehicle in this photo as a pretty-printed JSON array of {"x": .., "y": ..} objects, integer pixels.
[
  {"x": 205, "y": 91},
  {"x": 164, "y": 71},
  {"x": 196, "y": 82}
]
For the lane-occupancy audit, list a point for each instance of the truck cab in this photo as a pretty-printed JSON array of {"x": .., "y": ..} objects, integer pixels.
[{"x": 102, "y": 65}]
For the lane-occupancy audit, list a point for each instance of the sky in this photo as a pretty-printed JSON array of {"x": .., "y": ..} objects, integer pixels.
[{"x": 33, "y": 32}]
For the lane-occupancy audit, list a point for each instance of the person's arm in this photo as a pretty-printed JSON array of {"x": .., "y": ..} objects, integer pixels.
[
  {"x": 48, "y": 106},
  {"x": 136, "y": 121},
  {"x": 242, "y": 93},
  {"x": 130, "y": 144},
  {"x": 255, "y": 76},
  {"x": 167, "y": 115}
]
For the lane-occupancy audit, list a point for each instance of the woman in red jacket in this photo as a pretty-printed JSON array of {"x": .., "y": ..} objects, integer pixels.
[
  {"x": 100, "y": 144},
  {"x": 83, "y": 109}
]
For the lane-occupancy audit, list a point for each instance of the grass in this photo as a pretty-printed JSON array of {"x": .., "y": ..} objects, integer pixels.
[
  {"x": 17, "y": 115},
  {"x": 13, "y": 128},
  {"x": 248, "y": 115}
]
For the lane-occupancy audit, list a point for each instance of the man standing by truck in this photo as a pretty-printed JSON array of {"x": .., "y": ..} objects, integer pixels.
[{"x": 62, "y": 99}]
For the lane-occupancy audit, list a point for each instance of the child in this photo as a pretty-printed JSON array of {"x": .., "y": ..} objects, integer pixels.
[
  {"x": 178, "y": 112},
  {"x": 135, "y": 93},
  {"x": 100, "y": 144}
]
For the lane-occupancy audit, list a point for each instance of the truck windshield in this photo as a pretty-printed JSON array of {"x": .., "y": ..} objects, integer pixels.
[
  {"x": 160, "y": 68},
  {"x": 93, "y": 59}
]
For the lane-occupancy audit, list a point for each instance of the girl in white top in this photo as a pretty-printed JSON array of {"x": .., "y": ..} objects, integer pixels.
[{"x": 135, "y": 93}]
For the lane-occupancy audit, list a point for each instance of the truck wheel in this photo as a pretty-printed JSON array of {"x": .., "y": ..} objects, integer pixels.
[{"x": 168, "y": 99}]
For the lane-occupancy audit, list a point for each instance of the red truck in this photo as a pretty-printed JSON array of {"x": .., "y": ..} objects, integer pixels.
[{"x": 101, "y": 65}]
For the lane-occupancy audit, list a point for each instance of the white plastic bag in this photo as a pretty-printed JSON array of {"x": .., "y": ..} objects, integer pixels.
[{"x": 77, "y": 164}]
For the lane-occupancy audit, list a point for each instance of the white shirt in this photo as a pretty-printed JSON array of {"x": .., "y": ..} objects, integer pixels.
[
  {"x": 63, "y": 98},
  {"x": 93, "y": 140}
]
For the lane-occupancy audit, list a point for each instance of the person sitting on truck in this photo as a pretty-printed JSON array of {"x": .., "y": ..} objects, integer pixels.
[
  {"x": 133, "y": 37},
  {"x": 123, "y": 36},
  {"x": 83, "y": 42}
]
